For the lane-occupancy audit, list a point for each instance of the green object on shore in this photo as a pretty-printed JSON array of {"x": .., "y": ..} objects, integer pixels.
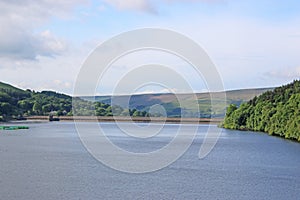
[{"x": 13, "y": 127}]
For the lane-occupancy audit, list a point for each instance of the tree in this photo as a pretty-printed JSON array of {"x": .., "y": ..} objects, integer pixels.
[
  {"x": 6, "y": 108},
  {"x": 275, "y": 112},
  {"x": 37, "y": 107}
]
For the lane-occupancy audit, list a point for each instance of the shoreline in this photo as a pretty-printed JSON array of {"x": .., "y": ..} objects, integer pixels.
[{"x": 129, "y": 119}]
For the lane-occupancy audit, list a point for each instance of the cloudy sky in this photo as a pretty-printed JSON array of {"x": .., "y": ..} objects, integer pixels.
[{"x": 253, "y": 43}]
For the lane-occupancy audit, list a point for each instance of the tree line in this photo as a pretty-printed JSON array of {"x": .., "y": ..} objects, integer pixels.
[
  {"x": 17, "y": 103},
  {"x": 275, "y": 112}
]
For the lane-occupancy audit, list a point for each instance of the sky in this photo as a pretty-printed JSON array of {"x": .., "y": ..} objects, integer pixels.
[{"x": 253, "y": 44}]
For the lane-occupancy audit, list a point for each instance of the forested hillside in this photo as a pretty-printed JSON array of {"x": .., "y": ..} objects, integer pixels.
[
  {"x": 275, "y": 112},
  {"x": 17, "y": 103}
]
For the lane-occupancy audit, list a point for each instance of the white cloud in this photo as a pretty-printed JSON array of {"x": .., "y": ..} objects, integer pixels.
[
  {"x": 48, "y": 74},
  {"x": 141, "y": 5},
  {"x": 51, "y": 44},
  {"x": 147, "y": 5},
  {"x": 19, "y": 21},
  {"x": 17, "y": 44},
  {"x": 285, "y": 73}
]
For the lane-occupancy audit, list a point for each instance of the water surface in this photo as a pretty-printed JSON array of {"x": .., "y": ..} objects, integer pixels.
[{"x": 48, "y": 161}]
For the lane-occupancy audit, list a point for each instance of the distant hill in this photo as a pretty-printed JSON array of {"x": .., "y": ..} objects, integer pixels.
[
  {"x": 171, "y": 104},
  {"x": 275, "y": 112}
]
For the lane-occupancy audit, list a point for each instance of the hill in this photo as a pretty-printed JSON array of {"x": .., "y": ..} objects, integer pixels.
[
  {"x": 16, "y": 103},
  {"x": 6, "y": 87},
  {"x": 275, "y": 112},
  {"x": 170, "y": 103}
]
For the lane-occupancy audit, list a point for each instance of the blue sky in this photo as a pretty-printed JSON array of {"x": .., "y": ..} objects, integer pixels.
[{"x": 252, "y": 43}]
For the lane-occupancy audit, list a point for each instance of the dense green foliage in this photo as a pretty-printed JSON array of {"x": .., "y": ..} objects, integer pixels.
[
  {"x": 17, "y": 103},
  {"x": 275, "y": 112}
]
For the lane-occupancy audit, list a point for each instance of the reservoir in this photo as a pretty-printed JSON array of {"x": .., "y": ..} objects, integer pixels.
[{"x": 48, "y": 161}]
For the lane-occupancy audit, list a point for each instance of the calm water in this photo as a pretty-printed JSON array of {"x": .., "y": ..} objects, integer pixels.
[{"x": 48, "y": 161}]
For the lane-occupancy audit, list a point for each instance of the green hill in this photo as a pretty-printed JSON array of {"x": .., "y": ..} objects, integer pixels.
[
  {"x": 275, "y": 112},
  {"x": 16, "y": 103},
  {"x": 189, "y": 106},
  {"x": 7, "y": 87}
]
